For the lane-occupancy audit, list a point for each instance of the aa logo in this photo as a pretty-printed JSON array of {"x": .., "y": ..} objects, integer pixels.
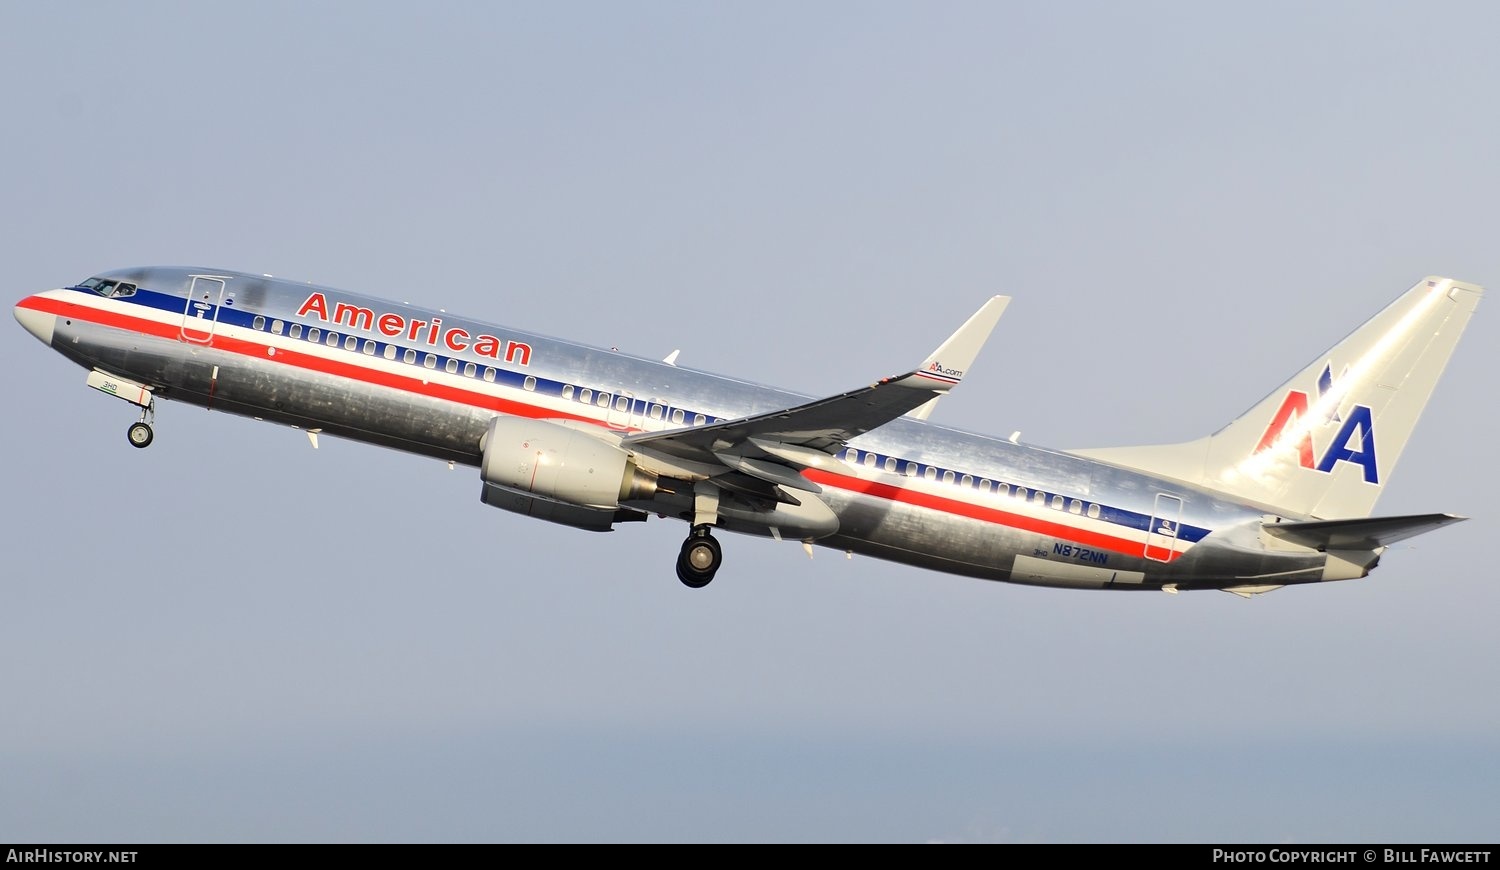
[{"x": 1292, "y": 429}]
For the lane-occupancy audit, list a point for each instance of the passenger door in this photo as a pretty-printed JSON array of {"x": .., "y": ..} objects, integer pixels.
[
  {"x": 200, "y": 316},
  {"x": 1161, "y": 535}
]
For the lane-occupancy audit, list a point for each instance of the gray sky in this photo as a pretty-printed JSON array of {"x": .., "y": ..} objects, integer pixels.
[{"x": 230, "y": 636}]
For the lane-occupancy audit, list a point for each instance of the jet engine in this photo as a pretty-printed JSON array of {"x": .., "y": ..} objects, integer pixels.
[{"x": 550, "y": 461}]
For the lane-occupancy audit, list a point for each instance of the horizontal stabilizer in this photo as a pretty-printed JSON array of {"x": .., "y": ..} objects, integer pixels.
[{"x": 1370, "y": 533}]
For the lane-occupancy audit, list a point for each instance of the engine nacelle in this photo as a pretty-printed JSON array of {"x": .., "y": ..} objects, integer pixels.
[
  {"x": 553, "y": 462},
  {"x": 587, "y": 518}
]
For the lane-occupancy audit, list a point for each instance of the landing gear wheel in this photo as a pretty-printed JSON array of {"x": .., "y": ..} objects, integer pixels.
[
  {"x": 140, "y": 434},
  {"x": 699, "y": 560}
]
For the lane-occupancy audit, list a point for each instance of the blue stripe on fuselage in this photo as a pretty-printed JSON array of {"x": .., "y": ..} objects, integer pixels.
[{"x": 228, "y": 314}]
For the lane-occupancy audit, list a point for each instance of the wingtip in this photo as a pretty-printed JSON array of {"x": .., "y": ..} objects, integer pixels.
[{"x": 945, "y": 366}]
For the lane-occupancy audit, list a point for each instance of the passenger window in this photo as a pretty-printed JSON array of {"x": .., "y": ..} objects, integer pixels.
[
  {"x": 852, "y": 456},
  {"x": 947, "y": 477},
  {"x": 1039, "y": 497},
  {"x": 1021, "y": 493},
  {"x": 451, "y": 366},
  {"x": 1075, "y": 507},
  {"x": 585, "y": 395},
  {"x": 409, "y": 356},
  {"x": 390, "y": 351},
  {"x": 259, "y": 323},
  {"x": 296, "y": 330},
  {"x": 314, "y": 334},
  {"x": 1093, "y": 512},
  {"x": 429, "y": 361},
  {"x": 470, "y": 370},
  {"x": 567, "y": 391},
  {"x": 911, "y": 469},
  {"x": 622, "y": 403},
  {"x": 489, "y": 374},
  {"x": 529, "y": 384},
  {"x": 369, "y": 347},
  {"x": 276, "y": 327},
  {"x": 677, "y": 416},
  {"x": 655, "y": 412},
  {"x": 1002, "y": 489},
  {"x": 890, "y": 463},
  {"x": 930, "y": 473},
  {"x": 603, "y": 400},
  {"x": 351, "y": 343},
  {"x": 1057, "y": 502},
  {"x": 870, "y": 460},
  {"x": 333, "y": 339},
  {"x": 697, "y": 419},
  {"x": 967, "y": 481},
  {"x": 984, "y": 485}
]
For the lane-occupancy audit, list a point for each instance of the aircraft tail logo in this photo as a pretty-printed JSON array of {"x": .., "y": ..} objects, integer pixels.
[
  {"x": 1297, "y": 417},
  {"x": 1310, "y": 447}
]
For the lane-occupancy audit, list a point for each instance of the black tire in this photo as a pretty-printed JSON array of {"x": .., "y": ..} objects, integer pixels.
[
  {"x": 139, "y": 435},
  {"x": 699, "y": 561}
]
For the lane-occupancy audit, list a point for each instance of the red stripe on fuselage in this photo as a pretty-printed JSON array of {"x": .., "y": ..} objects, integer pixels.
[
  {"x": 917, "y": 498},
  {"x": 298, "y": 359},
  {"x": 406, "y": 383}
]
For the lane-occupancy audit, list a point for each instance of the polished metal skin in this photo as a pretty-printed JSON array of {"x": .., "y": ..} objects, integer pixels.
[{"x": 860, "y": 472}]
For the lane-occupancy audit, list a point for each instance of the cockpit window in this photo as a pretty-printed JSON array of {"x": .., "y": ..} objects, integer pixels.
[{"x": 108, "y": 288}]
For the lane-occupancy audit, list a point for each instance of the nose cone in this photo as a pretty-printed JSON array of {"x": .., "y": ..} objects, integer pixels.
[{"x": 38, "y": 323}]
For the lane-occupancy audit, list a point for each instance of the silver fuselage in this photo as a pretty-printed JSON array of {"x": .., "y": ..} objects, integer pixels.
[{"x": 1010, "y": 511}]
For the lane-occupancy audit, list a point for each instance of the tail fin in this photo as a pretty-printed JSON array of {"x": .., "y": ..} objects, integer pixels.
[{"x": 1324, "y": 443}]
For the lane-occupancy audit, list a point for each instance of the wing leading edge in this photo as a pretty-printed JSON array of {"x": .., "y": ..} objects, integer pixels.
[{"x": 775, "y": 446}]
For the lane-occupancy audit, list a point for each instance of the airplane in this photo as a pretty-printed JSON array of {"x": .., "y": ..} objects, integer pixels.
[{"x": 593, "y": 438}]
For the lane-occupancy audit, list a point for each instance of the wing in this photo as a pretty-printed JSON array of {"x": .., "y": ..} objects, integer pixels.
[{"x": 774, "y": 447}]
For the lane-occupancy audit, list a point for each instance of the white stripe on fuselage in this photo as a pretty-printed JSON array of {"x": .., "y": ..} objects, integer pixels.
[{"x": 545, "y": 404}]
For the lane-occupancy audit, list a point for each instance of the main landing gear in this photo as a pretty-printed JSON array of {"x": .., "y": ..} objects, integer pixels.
[{"x": 700, "y": 558}]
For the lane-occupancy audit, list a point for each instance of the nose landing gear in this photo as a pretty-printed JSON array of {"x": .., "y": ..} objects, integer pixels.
[{"x": 140, "y": 434}]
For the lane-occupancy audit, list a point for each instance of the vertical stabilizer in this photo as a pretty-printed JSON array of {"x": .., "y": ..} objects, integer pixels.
[{"x": 1324, "y": 443}]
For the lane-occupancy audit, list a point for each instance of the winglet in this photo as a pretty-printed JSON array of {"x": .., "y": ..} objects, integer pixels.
[{"x": 946, "y": 366}]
